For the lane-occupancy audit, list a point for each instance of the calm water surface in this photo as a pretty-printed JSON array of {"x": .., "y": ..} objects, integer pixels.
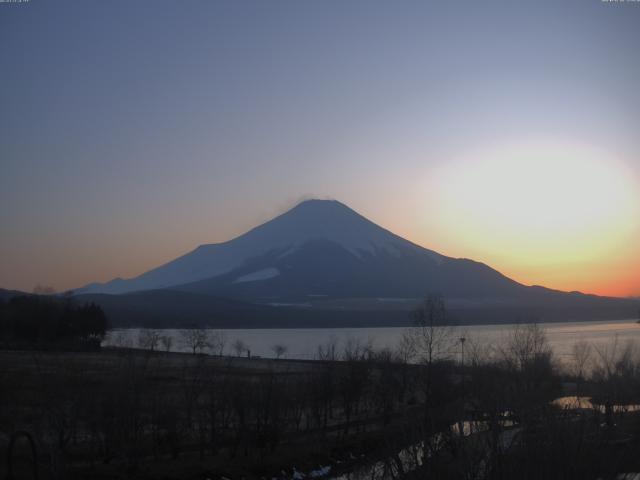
[{"x": 303, "y": 343}]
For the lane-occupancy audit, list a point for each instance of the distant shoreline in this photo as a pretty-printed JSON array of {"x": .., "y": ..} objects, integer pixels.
[{"x": 372, "y": 325}]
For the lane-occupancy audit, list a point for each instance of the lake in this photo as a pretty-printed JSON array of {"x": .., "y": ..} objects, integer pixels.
[{"x": 302, "y": 343}]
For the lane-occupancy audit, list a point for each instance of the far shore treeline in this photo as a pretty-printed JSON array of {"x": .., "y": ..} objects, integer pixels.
[{"x": 51, "y": 322}]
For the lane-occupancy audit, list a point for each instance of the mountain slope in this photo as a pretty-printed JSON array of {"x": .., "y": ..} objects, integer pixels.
[
  {"x": 311, "y": 220},
  {"x": 321, "y": 269}
]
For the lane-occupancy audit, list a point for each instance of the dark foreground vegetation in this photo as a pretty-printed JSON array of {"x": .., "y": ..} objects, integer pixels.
[
  {"x": 438, "y": 407},
  {"x": 50, "y": 322}
]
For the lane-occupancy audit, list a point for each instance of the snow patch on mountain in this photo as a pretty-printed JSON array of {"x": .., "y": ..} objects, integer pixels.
[{"x": 263, "y": 274}]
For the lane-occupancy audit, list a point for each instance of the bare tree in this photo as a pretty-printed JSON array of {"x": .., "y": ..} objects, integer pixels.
[
  {"x": 615, "y": 375},
  {"x": 581, "y": 356},
  {"x": 279, "y": 350},
  {"x": 195, "y": 339},
  {"x": 433, "y": 340},
  {"x": 355, "y": 349},
  {"x": 120, "y": 339},
  {"x": 405, "y": 354},
  {"x": 149, "y": 339},
  {"x": 527, "y": 359},
  {"x": 526, "y": 345},
  {"x": 432, "y": 336},
  {"x": 354, "y": 377},
  {"x": 217, "y": 342},
  {"x": 239, "y": 347},
  {"x": 406, "y": 349},
  {"x": 479, "y": 353},
  {"x": 167, "y": 342}
]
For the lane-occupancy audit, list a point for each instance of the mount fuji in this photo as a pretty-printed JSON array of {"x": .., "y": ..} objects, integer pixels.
[
  {"x": 318, "y": 248},
  {"x": 322, "y": 255}
]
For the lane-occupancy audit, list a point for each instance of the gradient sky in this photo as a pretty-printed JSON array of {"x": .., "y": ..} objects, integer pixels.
[{"x": 507, "y": 132}]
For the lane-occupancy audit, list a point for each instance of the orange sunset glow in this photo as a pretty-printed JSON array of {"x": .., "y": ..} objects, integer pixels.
[{"x": 563, "y": 216}]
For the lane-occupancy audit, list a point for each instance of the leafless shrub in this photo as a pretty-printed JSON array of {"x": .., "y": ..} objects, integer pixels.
[{"x": 328, "y": 351}]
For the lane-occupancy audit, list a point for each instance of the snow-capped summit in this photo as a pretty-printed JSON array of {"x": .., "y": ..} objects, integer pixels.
[
  {"x": 327, "y": 220},
  {"x": 309, "y": 222}
]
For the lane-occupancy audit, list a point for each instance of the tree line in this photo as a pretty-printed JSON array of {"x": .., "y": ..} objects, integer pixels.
[{"x": 44, "y": 321}]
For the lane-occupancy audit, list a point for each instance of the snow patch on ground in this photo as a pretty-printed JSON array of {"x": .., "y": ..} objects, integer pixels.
[{"x": 263, "y": 274}]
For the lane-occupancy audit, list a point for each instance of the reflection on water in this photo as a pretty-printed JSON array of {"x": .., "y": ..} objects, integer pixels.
[
  {"x": 573, "y": 402},
  {"x": 414, "y": 456},
  {"x": 405, "y": 461},
  {"x": 302, "y": 343}
]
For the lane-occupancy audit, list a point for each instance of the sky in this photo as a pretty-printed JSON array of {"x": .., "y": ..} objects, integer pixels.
[{"x": 507, "y": 132}]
